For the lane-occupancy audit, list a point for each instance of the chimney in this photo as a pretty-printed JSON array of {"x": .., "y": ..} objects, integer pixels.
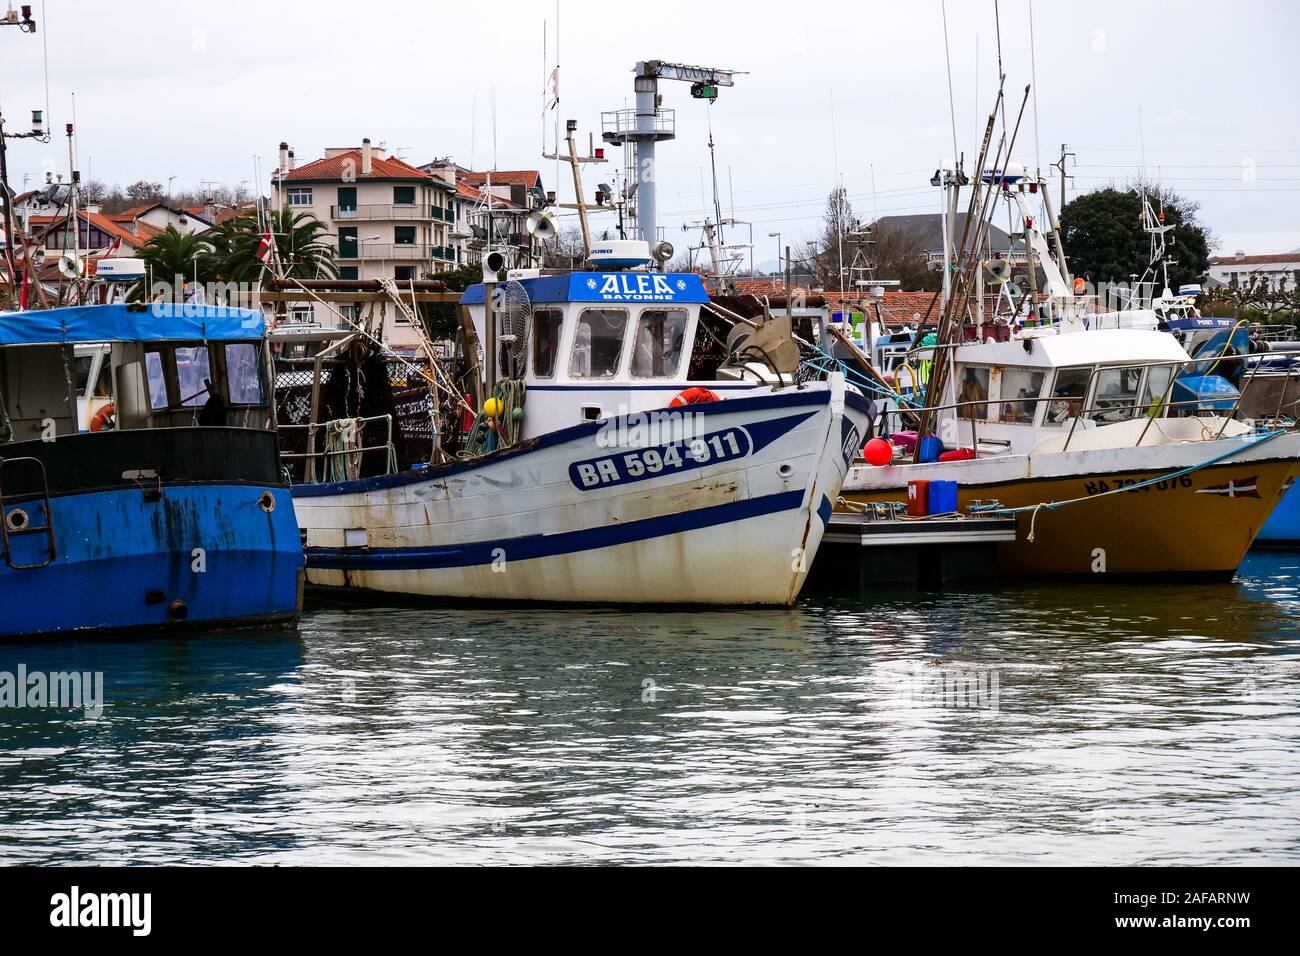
[
  {"x": 284, "y": 158},
  {"x": 291, "y": 160},
  {"x": 365, "y": 157},
  {"x": 92, "y": 207},
  {"x": 1241, "y": 254}
]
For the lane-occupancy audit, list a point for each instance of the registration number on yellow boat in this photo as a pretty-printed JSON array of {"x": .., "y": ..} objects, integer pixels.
[{"x": 1103, "y": 485}]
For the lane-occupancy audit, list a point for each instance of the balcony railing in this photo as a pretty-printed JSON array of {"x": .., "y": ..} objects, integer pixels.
[
  {"x": 389, "y": 210},
  {"x": 386, "y": 250}
]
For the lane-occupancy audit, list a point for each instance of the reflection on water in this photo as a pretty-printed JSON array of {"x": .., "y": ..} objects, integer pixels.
[{"x": 1070, "y": 723}]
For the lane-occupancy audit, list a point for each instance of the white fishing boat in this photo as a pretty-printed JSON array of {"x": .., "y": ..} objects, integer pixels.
[{"x": 619, "y": 476}]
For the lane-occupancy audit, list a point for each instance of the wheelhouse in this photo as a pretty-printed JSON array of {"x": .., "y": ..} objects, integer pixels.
[
  {"x": 601, "y": 343},
  {"x": 68, "y": 370},
  {"x": 1011, "y": 395}
]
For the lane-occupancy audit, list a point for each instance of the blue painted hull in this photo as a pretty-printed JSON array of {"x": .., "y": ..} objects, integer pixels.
[
  {"x": 125, "y": 563},
  {"x": 1283, "y": 526}
]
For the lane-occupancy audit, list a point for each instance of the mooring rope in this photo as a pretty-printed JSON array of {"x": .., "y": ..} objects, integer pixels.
[{"x": 1053, "y": 505}]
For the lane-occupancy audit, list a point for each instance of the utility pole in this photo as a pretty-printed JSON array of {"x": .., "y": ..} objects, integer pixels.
[
  {"x": 24, "y": 22},
  {"x": 1060, "y": 165}
]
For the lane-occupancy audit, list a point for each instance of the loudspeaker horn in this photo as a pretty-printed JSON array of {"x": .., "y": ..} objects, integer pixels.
[
  {"x": 493, "y": 263},
  {"x": 541, "y": 224}
]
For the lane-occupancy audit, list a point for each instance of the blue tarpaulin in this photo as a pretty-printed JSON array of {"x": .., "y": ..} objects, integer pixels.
[{"x": 161, "y": 322}]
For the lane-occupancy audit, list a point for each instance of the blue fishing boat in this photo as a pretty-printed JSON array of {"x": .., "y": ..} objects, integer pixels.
[{"x": 167, "y": 510}]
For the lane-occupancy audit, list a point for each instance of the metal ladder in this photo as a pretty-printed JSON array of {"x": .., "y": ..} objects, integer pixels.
[{"x": 7, "y": 532}]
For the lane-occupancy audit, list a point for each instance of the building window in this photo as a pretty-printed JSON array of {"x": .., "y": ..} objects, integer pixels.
[
  {"x": 404, "y": 195},
  {"x": 404, "y": 235},
  {"x": 300, "y": 196},
  {"x": 348, "y": 272},
  {"x": 404, "y": 272}
]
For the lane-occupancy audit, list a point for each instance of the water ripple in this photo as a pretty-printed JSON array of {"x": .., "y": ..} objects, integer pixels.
[{"x": 1085, "y": 724}]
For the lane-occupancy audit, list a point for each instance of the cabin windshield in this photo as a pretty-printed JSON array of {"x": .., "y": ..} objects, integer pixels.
[
  {"x": 1067, "y": 394},
  {"x": 1116, "y": 395},
  {"x": 657, "y": 348},
  {"x": 1020, "y": 383},
  {"x": 598, "y": 343}
]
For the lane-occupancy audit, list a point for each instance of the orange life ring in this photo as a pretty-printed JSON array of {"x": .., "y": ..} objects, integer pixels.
[
  {"x": 695, "y": 395},
  {"x": 104, "y": 419}
]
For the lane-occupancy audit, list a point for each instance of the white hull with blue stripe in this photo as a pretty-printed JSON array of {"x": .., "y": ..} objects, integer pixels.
[{"x": 719, "y": 503}]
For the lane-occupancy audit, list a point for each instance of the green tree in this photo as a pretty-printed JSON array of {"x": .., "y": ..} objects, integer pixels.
[
  {"x": 1104, "y": 238},
  {"x": 299, "y": 241},
  {"x": 441, "y": 318},
  {"x": 172, "y": 253}
]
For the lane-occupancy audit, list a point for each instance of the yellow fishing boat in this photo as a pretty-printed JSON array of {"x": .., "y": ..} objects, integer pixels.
[{"x": 1089, "y": 437}]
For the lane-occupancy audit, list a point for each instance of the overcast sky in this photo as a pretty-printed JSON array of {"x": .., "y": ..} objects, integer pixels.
[{"x": 1202, "y": 92}]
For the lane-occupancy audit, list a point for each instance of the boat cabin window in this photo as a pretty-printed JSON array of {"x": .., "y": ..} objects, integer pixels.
[
  {"x": 83, "y": 366},
  {"x": 598, "y": 343},
  {"x": 243, "y": 379},
  {"x": 1155, "y": 387},
  {"x": 657, "y": 348},
  {"x": 546, "y": 341},
  {"x": 973, "y": 386},
  {"x": 153, "y": 363},
  {"x": 1116, "y": 395},
  {"x": 179, "y": 376},
  {"x": 192, "y": 374},
  {"x": 1067, "y": 394},
  {"x": 1022, "y": 383}
]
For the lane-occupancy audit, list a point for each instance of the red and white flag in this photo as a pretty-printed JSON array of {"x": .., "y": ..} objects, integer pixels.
[
  {"x": 555, "y": 88},
  {"x": 266, "y": 247},
  {"x": 112, "y": 248}
]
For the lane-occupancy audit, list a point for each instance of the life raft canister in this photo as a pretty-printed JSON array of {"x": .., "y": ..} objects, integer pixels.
[
  {"x": 695, "y": 395},
  {"x": 105, "y": 419}
]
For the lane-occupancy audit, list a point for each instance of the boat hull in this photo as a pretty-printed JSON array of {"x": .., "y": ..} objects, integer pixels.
[
  {"x": 1200, "y": 523},
  {"x": 578, "y": 516},
  {"x": 141, "y": 542}
]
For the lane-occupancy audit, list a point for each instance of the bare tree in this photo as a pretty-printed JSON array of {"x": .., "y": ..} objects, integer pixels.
[{"x": 829, "y": 256}]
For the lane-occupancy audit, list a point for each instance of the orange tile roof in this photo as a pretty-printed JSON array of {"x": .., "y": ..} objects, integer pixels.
[
  {"x": 503, "y": 177},
  {"x": 465, "y": 191},
  {"x": 99, "y": 221},
  {"x": 332, "y": 169},
  {"x": 1255, "y": 260}
]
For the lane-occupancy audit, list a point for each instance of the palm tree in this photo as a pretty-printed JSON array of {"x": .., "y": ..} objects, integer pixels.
[
  {"x": 303, "y": 253},
  {"x": 173, "y": 253}
]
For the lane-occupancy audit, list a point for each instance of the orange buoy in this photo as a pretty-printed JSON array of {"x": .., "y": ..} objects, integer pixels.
[
  {"x": 105, "y": 419},
  {"x": 695, "y": 395}
]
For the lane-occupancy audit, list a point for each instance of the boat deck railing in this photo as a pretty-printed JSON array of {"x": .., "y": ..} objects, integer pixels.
[
  {"x": 347, "y": 427},
  {"x": 1149, "y": 406}
]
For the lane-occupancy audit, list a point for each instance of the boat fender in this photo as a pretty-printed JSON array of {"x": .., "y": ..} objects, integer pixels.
[
  {"x": 105, "y": 419},
  {"x": 695, "y": 395}
]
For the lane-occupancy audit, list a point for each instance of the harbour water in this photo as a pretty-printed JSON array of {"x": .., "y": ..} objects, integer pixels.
[{"x": 1058, "y": 723}]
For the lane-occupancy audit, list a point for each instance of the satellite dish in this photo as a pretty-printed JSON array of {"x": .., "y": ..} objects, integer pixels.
[
  {"x": 998, "y": 270},
  {"x": 541, "y": 224},
  {"x": 515, "y": 313},
  {"x": 69, "y": 266}
]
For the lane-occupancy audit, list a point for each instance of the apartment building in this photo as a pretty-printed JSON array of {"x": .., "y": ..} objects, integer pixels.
[
  {"x": 385, "y": 218},
  {"x": 1278, "y": 269}
]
